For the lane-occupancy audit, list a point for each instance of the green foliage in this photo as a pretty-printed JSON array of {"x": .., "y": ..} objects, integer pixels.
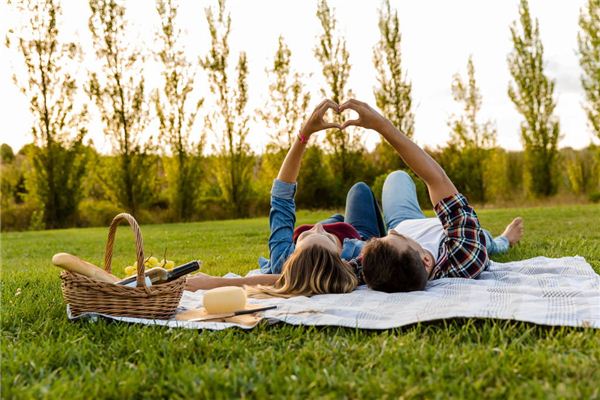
[
  {"x": 48, "y": 178},
  {"x": 93, "y": 185},
  {"x": 334, "y": 57},
  {"x": 588, "y": 41},
  {"x": 378, "y": 186},
  {"x": 57, "y": 163},
  {"x": 116, "y": 174},
  {"x": 15, "y": 212},
  {"x": 176, "y": 116},
  {"x": 283, "y": 115},
  {"x": 97, "y": 212},
  {"x": 6, "y": 153},
  {"x": 467, "y": 131},
  {"x": 183, "y": 174},
  {"x": 47, "y": 356},
  {"x": 467, "y": 152},
  {"x": 516, "y": 165},
  {"x": 12, "y": 181},
  {"x": 421, "y": 188},
  {"x": 497, "y": 184},
  {"x": 385, "y": 158},
  {"x": 532, "y": 94},
  {"x": 393, "y": 93},
  {"x": 466, "y": 168},
  {"x": 582, "y": 170},
  {"x": 230, "y": 122},
  {"x": 316, "y": 185},
  {"x": 36, "y": 222},
  {"x": 58, "y": 191},
  {"x": 120, "y": 95},
  {"x": 285, "y": 111},
  {"x": 17, "y": 216},
  {"x": 268, "y": 168}
]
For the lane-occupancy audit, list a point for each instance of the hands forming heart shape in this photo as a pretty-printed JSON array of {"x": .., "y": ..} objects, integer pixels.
[{"x": 367, "y": 117}]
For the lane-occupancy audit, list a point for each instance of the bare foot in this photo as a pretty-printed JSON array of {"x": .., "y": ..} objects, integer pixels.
[{"x": 514, "y": 231}]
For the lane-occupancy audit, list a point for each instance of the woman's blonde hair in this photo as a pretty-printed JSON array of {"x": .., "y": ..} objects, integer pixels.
[{"x": 309, "y": 271}]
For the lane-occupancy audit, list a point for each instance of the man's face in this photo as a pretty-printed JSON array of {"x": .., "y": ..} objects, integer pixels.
[
  {"x": 318, "y": 236},
  {"x": 402, "y": 242}
]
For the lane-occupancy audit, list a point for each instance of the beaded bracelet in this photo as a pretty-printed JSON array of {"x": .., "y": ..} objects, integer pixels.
[{"x": 303, "y": 139}]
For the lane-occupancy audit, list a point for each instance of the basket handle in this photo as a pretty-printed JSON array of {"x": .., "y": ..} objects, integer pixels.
[{"x": 139, "y": 245}]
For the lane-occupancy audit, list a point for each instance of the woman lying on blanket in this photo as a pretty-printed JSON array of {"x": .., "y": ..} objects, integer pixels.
[{"x": 335, "y": 255}]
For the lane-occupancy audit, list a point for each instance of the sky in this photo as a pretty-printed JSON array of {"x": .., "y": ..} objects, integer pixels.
[{"x": 437, "y": 39}]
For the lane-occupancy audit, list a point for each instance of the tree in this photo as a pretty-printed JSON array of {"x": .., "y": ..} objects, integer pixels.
[
  {"x": 120, "y": 94},
  {"x": 6, "y": 153},
  {"x": 315, "y": 180},
  {"x": 234, "y": 162},
  {"x": 12, "y": 177},
  {"x": 532, "y": 93},
  {"x": 579, "y": 168},
  {"x": 470, "y": 140},
  {"x": 588, "y": 41},
  {"x": 176, "y": 113},
  {"x": 496, "y": 177},
  {"x": 393, "y": 92},
  {"x": 334, "y": 58},
  {"x": 285, "y": 111},
  {"x": 59, "y": 123}
]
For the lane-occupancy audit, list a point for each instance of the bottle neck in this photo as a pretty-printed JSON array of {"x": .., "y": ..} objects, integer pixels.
[{"x": 184, "y": 269}]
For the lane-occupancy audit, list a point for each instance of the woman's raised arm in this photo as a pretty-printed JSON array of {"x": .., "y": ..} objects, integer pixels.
[{"x": 291, "y": 165}]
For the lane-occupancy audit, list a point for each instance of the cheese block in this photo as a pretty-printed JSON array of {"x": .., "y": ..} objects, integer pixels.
[{"x": 224, "y": 299}]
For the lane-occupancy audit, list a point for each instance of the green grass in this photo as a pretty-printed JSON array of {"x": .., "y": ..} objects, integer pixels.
[{"x": 44, "y": 355}]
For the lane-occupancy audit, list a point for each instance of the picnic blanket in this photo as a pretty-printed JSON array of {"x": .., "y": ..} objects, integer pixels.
[{"x": 546, "y": 291}]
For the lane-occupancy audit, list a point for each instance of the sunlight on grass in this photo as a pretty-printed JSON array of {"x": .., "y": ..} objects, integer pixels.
[{"x": 45, "y": 355}]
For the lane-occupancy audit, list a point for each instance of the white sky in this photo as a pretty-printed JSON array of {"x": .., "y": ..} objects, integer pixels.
[{"x": 437, "y": 38}]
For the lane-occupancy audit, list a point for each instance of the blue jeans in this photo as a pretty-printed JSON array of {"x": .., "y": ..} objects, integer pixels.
[
  {"x": 362, "y": 212},
  {"x": 399, "y": 198}
]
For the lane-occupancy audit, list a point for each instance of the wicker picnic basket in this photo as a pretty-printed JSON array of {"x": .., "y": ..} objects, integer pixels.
[{"x": 85, "y": 294}]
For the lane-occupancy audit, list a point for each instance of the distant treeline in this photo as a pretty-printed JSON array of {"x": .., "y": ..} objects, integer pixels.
[
  {"x": 577, "y": 176},
  {"x": 60, "y": 180}
]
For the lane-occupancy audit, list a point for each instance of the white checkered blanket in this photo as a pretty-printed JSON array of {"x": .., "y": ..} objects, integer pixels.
[{"x": 546, "y": 291}]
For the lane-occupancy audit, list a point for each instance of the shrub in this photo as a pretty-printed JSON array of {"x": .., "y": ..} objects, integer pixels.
[
  {"x": 497, "y": 187},
  {"x": 316, "y": 185},
  {"x": 17, "y": 217},
  {"x": 422, "y": 193},
  {"x": 6, "y": 153},
  {"x": 97, "y": 212}
]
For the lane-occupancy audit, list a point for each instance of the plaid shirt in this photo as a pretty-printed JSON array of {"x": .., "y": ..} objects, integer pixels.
[{"x": 462, "y": 250}]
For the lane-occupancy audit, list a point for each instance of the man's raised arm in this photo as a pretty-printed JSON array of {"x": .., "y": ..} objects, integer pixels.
[{"x": 421, "y": 163}]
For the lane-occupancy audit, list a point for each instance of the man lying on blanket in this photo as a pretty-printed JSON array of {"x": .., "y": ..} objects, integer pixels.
[{"x": 416, "y": 249}]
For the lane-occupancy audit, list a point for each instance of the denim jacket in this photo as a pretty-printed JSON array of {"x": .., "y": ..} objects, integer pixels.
[{"x": 282, "y": 219}]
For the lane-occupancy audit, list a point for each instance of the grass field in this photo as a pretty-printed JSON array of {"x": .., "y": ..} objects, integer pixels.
[{"x": 44, "y": 355}]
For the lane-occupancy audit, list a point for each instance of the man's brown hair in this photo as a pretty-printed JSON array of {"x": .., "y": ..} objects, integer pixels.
[{"x": 387, "y": 269}]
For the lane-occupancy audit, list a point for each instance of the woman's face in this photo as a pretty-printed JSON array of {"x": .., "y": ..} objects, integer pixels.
[{"x": 318, "y": 236}]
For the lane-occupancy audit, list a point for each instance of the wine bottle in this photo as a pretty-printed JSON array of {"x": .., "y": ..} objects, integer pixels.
[{"x": 158, "y": 275}]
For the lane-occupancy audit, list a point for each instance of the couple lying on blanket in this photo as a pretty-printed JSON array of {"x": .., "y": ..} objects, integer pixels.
[{"x": 336, "y": 255}]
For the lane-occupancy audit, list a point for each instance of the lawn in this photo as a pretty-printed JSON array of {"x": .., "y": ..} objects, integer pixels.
[{"x": 44, "y": 355}]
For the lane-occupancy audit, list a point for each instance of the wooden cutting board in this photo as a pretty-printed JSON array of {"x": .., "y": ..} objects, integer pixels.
[{"x": 250, "y": 320}]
